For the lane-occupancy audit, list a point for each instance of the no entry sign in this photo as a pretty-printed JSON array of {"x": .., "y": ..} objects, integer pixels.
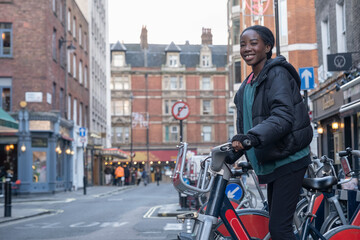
[{"x": 180, "y": 110}]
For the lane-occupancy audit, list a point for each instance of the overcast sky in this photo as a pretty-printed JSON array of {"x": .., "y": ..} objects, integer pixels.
[{"x": 167, "y": 20}]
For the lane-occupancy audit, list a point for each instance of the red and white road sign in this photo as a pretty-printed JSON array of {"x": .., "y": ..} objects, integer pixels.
[{"x": 180, "y": 110}]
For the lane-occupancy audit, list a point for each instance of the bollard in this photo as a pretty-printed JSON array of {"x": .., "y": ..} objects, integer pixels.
[
  {"x": 84, "y": 180},
  {"x": 7, "y": 205}
]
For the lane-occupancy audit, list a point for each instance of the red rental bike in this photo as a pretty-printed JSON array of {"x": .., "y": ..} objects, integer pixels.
[{"x": 242, "y": 224}]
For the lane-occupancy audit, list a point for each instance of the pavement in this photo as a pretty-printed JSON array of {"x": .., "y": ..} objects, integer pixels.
[{"x": 22, "y": 213}]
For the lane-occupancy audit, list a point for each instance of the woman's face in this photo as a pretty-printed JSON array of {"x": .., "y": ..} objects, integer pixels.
[{"x": 252, "y": 48}]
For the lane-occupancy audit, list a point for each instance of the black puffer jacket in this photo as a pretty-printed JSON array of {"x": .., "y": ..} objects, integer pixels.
[{"x": 280, "y": 118}]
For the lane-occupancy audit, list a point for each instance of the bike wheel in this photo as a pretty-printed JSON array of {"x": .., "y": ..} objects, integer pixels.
[
  {"x": 331, "y": 222},
  {"x": 256, "y": 223},
  {"x": 343, "y": 232}
]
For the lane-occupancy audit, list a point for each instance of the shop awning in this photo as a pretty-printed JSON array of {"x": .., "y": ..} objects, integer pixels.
[
  {"x": 7, "y": 122},
  {"x": 155, "y": 156},
  {"x": 114, "y": 152},
  {"x": 350, "y": 108}
]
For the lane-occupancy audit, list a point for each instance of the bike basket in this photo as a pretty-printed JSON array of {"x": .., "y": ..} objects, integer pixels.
[{"x": 181, "y": 176}]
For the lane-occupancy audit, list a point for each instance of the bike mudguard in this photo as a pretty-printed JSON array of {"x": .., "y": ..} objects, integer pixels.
[{"x": 232, "y": 221}]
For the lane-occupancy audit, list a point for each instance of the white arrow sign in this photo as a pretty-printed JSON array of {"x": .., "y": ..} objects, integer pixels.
[
  {"x": 231, "y": 194},
  {"x": 307, "y": 76}
]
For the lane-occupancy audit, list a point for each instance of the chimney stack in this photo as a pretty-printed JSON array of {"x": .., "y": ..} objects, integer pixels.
[
  {"x": 206, "y": 36},
  {"x": 143, "y": 38}
]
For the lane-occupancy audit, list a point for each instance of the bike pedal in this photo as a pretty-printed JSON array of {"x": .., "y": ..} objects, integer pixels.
[{"x": 188, "y": 215}]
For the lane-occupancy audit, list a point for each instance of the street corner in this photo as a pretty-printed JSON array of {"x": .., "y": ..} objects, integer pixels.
[{"x": 18, "y": 214}]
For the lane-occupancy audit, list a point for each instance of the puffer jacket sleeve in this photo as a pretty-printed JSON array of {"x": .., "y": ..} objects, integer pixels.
[{"x": 279, "y": 89}]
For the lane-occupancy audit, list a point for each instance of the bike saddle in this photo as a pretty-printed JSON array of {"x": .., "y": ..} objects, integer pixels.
[
  {"x": 245, "y": 165},
  {"x": 321, "y": 184}
]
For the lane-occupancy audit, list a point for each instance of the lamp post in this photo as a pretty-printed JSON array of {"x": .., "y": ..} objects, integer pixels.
[{"x": 131, "y": 131}]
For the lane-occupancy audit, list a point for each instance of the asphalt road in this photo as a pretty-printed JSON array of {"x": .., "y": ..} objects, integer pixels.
[{"x": 129, "y": 214}]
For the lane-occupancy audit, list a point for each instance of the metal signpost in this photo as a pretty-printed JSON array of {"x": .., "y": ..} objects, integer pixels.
[
  {"x": 82, "y": 134},
  {"x": 181, "y": 110}
]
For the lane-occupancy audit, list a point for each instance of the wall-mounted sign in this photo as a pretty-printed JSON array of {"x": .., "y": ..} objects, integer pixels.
[
  {"x": 33, "y": 96},
  {"x": 339, "y": 62},
  {"x": 38, "y": 125}
]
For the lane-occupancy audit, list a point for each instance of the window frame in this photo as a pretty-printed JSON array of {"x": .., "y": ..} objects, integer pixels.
[{"x": 6, "y": 28}]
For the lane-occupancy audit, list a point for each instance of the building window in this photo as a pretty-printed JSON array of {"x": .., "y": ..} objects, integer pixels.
[
  {"x": 80, "y": 35},
  {"x": 69, "y": 20},
  {"x": 81, "y": 114},
  {"x": 61, "y": 102},
  {"x": 80, "y": 72},
  {"x": 85, "y": 76},
  {"x": 206, "y": 107},
  {"x": 6, "y": 40},
  {"x": 341, "y": 27},
  {"x": 205, "y": 60},
  {"x": 74, "y": 66},
  {"x": 120, "y": 83},
  {"x": 54, "y": 96},
  {"x": 235, "y": 2},
  {"x": 85, "y": 41},
  {"x": 120, "y": 107},
  {"x": 68, "y": 61},
  {"x": 236, "y": 31},
  {"x": 69, "y": 108},
  {"x": 173, "y": 83},
  {"x": 75, "y": 112},
  {"x": 168, "y": 104},
  {"x": 118, "y": 60},
  {"x": 39, "y": 167},
  {"x": 206, "y": 133},
  {"x": 172, "y": 134},
  {"x": 54, "y": 6},
  {"x": 5, "y": 90},
  {"x": 283, "y": 16},
  {"x": 54, "y": 44},
  {"x": 74, "y": 27},
  {"x": 206, "y": 83},
  {"x": 231, "y": 132},
  {"x": 121, "y": 134},
  {"x": 325, "y": 39},
  {"x": 173, "y": 60}
]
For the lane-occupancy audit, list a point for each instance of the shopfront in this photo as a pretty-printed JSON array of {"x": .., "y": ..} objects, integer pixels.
[
  {"x": 47, "y": 149},
  {"x": 326, "y": 104}
]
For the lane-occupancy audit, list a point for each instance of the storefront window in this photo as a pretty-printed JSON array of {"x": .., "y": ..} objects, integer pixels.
[{"x": 39, "y": 167}]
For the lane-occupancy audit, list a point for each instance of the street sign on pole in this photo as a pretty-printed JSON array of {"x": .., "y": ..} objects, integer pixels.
[
  {"x": 307, "y": 78},
  {"x": 82, "y": 132},
  {"x": 180, "y": 110}
]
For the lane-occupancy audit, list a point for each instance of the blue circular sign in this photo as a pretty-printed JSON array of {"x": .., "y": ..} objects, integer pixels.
[{"x": 234, "y": 191}]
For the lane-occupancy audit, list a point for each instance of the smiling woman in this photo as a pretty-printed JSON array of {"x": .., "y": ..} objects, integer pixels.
[{"x": 273, "y": 127}]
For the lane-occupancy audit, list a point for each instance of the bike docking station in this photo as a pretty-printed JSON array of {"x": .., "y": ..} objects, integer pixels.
[{"x": 180, "y": 111}]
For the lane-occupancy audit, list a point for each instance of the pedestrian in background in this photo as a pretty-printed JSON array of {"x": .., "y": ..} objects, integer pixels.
[
  {"x": 144, "y": 177},
  {"x": 138, "y": 177},
  {"x": 127, "y": 175},
  {"x": 119, "y": 174},
  {"x": 157, "y": 176},
  {"x": 107, "y": 172},
  {"x": 273, "y": 127}
]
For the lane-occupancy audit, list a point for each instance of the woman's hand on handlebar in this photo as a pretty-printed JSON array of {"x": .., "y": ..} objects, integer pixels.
[{"x": 244, "y": 141}]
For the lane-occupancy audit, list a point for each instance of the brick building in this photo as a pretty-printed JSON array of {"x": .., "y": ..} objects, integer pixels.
[
  {"x": 336, "y": 100},
  {"x": 44, "y": 73},
  {"x": 147, "y": 80}
]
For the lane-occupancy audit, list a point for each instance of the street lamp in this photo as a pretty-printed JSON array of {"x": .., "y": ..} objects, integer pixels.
[{"x": 131, "y": 131}]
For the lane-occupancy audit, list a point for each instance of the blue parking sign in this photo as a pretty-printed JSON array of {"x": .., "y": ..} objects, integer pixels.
[{"x": 307, "y": 78}]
